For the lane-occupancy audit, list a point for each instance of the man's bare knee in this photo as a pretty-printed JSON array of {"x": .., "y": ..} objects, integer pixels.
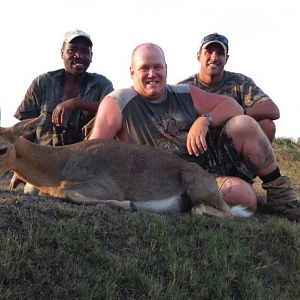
[
  {"x": 269, "y": 128},
  {"x": 236, "y": 191}
]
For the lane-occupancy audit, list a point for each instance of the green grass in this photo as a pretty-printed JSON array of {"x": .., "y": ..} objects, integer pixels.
[{"x": 56, "y": 250}]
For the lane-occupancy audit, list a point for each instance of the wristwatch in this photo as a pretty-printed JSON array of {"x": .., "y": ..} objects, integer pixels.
[{"x": 208, "y": 117}]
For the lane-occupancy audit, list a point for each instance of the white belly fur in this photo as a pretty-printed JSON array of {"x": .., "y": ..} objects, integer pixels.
[{"x": 169, "y": 205}]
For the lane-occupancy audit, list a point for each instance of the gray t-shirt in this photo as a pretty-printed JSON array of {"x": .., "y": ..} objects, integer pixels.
[{"x": 164, "y": 124}]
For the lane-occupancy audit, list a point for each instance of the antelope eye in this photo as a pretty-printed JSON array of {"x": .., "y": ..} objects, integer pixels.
[{"x": 3, "y": 149}]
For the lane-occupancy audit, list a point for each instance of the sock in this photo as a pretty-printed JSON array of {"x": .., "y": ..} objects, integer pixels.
[{"x": 271, "y": 176}]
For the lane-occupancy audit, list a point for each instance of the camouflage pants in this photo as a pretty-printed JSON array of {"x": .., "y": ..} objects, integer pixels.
[{"x": 221, "y": 157}]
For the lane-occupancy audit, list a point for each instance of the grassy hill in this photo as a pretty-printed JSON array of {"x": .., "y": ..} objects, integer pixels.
[{"x": 57, "y": 250}]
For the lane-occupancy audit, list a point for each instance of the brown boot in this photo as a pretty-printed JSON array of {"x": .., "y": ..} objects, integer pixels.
[{"x": 282, "y": 199}]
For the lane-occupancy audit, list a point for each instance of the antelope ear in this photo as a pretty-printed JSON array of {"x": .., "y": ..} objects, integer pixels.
[{"x": 26, "y": 127}]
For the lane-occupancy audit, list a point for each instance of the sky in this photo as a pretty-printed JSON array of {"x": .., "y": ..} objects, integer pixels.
[{"x": 263, "y": 43}]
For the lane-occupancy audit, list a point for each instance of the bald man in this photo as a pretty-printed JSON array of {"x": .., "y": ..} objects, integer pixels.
[{"x": 201, "y": 127}]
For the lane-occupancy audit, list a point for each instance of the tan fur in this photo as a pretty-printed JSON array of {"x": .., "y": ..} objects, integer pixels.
[{"x": 111, "y": 172}]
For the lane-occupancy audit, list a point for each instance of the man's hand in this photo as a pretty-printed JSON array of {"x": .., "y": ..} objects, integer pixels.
[
  {"x": 14, "y": 182},
  {"x": 196, "y": 143},
  {"x": 63, "y": 110}
]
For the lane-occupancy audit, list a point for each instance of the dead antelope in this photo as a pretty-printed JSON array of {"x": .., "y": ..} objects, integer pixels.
[{"x": 116, "y": 173}]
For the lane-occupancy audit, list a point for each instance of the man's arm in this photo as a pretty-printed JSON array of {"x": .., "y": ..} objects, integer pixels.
[
  {"x": 64, "y": 109},
  {"x": 108, "y": 121},
  {"x": 221, "y": 108},
  {"x": 29, "y": 106},
  {"x": 257, "y": 103},
  {"x": 263, "y": 109}
]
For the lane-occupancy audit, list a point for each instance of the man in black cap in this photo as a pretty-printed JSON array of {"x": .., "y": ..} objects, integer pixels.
[
  {"x": 213, "y": 56},
  {"x": 70, "y": 97}
]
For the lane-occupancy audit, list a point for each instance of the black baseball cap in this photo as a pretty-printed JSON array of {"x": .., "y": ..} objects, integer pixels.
[{"x": 215, "y": 38}]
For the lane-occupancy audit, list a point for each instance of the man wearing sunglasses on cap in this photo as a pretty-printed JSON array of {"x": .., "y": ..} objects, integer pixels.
[{"x": 213, "y": 56}]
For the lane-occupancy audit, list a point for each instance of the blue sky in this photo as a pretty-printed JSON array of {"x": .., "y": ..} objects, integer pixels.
[{"x": 263, "y": 42}]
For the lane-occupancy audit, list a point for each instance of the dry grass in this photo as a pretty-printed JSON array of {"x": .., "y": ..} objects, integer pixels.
[{"x": 57, "y": 250}]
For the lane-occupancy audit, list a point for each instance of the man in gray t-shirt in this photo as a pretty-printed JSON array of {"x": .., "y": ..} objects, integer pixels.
[{"x": 180, "y": 118}]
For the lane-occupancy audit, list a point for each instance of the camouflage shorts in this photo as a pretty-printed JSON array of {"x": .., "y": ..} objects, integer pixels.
[{"x": 221, "y": 157}]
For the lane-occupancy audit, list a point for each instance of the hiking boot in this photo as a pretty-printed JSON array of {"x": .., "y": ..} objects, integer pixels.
[{"x": 282, "y": 199}]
